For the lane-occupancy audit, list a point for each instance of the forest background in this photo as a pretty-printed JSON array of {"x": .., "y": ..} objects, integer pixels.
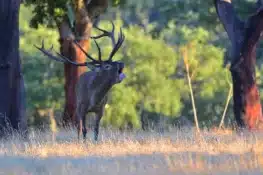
[{"x": 156, "y": 85}]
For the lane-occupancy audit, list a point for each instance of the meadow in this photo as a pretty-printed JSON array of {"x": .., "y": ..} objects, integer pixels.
[
  {"x": 175, "y": 151},
  {"x": 157, "y": 32}
]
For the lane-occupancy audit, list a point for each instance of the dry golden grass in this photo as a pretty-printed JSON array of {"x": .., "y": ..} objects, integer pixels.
[{"x": 180, "y": 152}]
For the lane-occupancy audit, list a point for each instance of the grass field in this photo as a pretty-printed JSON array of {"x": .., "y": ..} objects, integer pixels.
[{"x": 174, "y": 152}]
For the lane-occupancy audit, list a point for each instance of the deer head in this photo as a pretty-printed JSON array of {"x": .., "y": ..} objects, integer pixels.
[
  {"x": 92, "y": 86},
  {"x": 111, "y": 70}
]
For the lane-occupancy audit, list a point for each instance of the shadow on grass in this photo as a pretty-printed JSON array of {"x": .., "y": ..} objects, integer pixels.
[{"x": 153, "y": 164}]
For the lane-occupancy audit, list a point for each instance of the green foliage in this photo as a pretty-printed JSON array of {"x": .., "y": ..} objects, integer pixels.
[
  {"x": 156, "y": 80},
  {"x": 43, "y": 77},
  {"x": 122, "y": 107},
  {"x": 206, "y": 69},
  {"x": 51, "y": 12},
  {"x": 153, "y": 63}
]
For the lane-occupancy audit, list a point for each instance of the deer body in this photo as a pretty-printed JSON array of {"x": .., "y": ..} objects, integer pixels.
[
  {"x": 93, "y": 86},
  {"x": 91, "y": 97},
  {"x": 92, "y": 93}
]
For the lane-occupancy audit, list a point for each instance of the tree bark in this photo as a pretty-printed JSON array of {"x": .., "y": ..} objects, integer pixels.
[
  {"x": 244, "y": 36},
  {"x": 72, "y": 73},
  {"x": 12, "y": 90}
]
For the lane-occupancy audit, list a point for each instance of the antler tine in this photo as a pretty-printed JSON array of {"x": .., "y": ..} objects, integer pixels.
[
  {"x": 89, "y": 56},
  {"x": 106, "y": 33},
  {"x": 118, "y": 44},
  {"x": 99, "y": 50},
  {"x": 47, "y": 53},
  {"x": 72, "y": 62},
  {"x": 61, "y": 58}
]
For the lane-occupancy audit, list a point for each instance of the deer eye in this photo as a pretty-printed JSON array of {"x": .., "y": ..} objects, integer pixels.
[{"x": 107, "y": 66}]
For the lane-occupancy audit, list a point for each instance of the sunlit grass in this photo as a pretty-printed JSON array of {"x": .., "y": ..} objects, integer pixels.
[{"x": 182, "y": 151}]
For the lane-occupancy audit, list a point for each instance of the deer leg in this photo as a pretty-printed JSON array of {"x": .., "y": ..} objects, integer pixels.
[
  {"x": 97, "y": 125},
  {"x": 84, "y": 129},
  {"x": 80, "y": 116},
  {"x": 79, "y": 127}
]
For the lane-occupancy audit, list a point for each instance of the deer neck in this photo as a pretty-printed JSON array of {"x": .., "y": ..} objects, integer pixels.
[{"x": 102, "y": 87}]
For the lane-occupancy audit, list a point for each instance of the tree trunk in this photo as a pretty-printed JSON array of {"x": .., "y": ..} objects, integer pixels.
[
  {"x": 85, "y": 14},
  {"x": 72, "y": 73},
  {"x": 12, "y": 91},
  {"x": 244, "y": 36},
  {"x": 82, "y": 30},
  {"x": 247, "y": 104}
]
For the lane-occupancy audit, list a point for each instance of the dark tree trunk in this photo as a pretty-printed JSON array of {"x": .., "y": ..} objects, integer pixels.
[
  {"x": 85, "y": 14},
  {"x": 244, "y": 36},
  {"x": 12, "y": 91}
]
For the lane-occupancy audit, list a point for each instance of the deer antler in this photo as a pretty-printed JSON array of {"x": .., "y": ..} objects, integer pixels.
[
  {"x": 48, "y": 52},
  {"x": 61, "y": 58},
  {"x": 90, "y": 57},
  {"x": 64, "y": 59},
  {"x": 117, "y": 45}
]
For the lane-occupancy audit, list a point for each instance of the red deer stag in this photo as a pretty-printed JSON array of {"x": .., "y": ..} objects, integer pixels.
[{"x": 93, "y": 86}]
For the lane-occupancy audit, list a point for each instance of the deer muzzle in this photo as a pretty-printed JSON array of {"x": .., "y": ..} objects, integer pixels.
[{"x": 121, "y": 77}]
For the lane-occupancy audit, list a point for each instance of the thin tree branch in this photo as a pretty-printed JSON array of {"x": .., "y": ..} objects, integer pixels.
[
  {"x": 186, "y": 63},
  {"x": 226, "y": 106}
]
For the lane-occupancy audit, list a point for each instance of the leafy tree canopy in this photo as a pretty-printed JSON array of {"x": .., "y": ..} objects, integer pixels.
[{"x": 51, "y": 12}]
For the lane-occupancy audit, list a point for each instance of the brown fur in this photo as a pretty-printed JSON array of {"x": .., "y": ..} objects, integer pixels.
[{"x": 91, "y": 93}]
